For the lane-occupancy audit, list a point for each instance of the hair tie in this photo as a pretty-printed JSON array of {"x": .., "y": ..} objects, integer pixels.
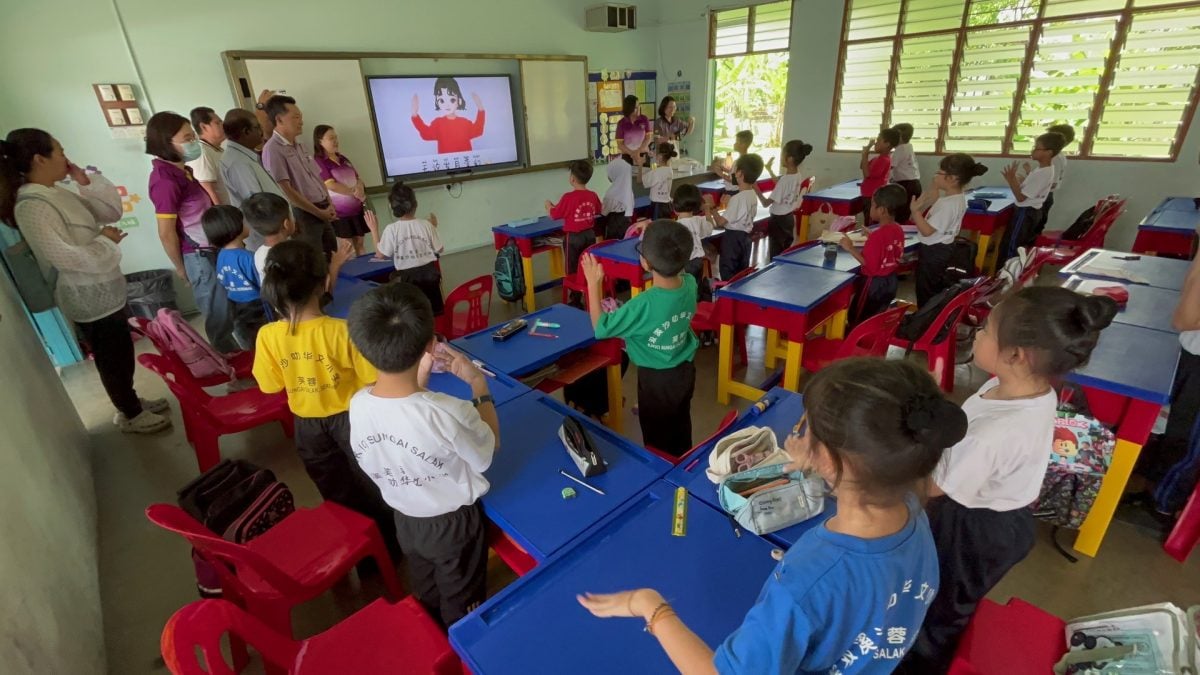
[{"x": 920, "y": 414}]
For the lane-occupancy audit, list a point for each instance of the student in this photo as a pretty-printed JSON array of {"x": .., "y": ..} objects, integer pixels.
[
  {"x": 937, "y": 229},
  {"x": 875, "y": 172},
  {"x": 658, "y": 181},
  {"x": 309, "y": 355},
  {"x": 904, "y": 163},
  {"x": 1030, "y": 191},
  {"x": 1060, "y": 166},
  {"x": 738, "y": 219},
  {"x": 873, "y": 430},
  {"x": 689, "y": 205},
  {"x": 726, "y": 169},
  {"x": 982, "y": 524},
  {"x": 270, "y": 216},
  {"x": 452, "y": 133},
  {"x": 617, "y": 205},
  {"x": 236, "y": 272},
  {"x": 880, "y": 257},
  {"x": 435, "y": 490},
  {"x": 577, "y": 209},
  {"x": 785, "y": 198},
  {"x": 414, "y": 246},
  {"x": 656, "y": 327}
]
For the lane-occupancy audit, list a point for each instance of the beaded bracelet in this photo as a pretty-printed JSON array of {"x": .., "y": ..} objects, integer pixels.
[{"x": 664, "y": 609}]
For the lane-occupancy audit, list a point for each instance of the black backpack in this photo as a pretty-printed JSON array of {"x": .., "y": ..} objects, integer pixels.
[
  {"x": 1081, "y": 225},
  {"x": 962, "y": 259},
  {"x": 509, "y": 273},
  {"x": 914, "y": 325}
]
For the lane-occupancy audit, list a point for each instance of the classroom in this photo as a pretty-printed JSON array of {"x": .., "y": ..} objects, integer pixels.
[{"x": 797, "y": 336}]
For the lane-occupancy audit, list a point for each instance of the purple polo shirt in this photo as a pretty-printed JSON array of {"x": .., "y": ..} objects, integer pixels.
[
  {"x": 341, "y": 171},
  {"x": 633, "y": 130},
  {"x": 292, "y": 162},
  {"x": 175, "y": 192}
]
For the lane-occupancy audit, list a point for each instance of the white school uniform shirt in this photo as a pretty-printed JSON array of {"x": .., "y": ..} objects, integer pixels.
[
  {"x": 260, "y": 260},
  {"x": 741, "y": 210},
  {"x": 904, "y": 163},
  {"x": 1036, "y": 186},
  {"x": 700, "y": 227},
  {"x": 1060, "y": 170},
  {"x": 1001, "y": 462},
  {"x": 658, "y": 182},
  {"x": 946, "y": 216},
  {"x": 619, "y": 196},
  {"x": 410, "y": 243},
  {"x": 427, "y": 451},
  {"x": 1190, "y": 341},
  {"x": 785, "y": 198},
  {"x": 207, "y": 169}
]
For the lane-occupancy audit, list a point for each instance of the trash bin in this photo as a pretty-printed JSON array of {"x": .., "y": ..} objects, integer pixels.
[{"x": 150, "y": 291}]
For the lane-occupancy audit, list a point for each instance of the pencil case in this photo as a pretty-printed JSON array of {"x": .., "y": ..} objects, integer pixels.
[
  {"x": 581, "y": 449},
  {"x": 770, "y": 498}
]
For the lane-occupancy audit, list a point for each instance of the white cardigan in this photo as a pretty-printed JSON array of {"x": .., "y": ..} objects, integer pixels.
[{"x": 65, "y": 234}]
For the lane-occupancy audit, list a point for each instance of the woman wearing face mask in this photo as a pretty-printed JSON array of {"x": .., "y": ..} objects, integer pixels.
[
  {"x": 179, "y": 201},
  {"x": 68, "y": 231}
]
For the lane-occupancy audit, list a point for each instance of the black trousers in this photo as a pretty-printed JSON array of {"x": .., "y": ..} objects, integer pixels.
[
  {"x": 1046, "y": 209},
  {"x": 428, "y": 278},
  {"x": 1166, "y": 455},
  {"x": 781, "y": 232},
  {"x": 248, "y": 317},
  {"x": 1023, "y": 230},
  {"x": 661, "y": 210},
  {"x": 976, "y": 548},
  {"x": 735, "y": 253},
  {"x": 932, "y": 261},
  {"x": 112, "y": 348},
  {"x": 665, "y": 407},
  {"x": 323, "y": 444},
  {"x": 615, "y": 224},
  {"x": 912, "y": 187},
  {"x": 314, "y": 230},
  {"x": 446, "y": 557},
  {"x": 877, "y": 293},
  {"x": 695, "y": 267}
]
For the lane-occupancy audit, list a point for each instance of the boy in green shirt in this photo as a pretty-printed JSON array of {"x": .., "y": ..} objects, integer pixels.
[{"x": 657, "y": 329}]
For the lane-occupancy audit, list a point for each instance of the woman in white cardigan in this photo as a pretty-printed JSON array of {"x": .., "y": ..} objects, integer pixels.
[{"x": 69, "y": 231}]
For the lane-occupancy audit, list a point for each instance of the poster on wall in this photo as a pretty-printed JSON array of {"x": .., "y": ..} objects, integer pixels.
[
  {"x": 682, "y": 93},
  {"x": 610, "y": 95}
]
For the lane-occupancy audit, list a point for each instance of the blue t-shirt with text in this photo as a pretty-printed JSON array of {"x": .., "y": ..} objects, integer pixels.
[{"x": 238, "y": 275}]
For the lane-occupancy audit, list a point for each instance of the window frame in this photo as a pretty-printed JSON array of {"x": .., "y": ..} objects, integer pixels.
[
  {"x": 1085, "y": 142},
  {"x": 750, "y": 21}
]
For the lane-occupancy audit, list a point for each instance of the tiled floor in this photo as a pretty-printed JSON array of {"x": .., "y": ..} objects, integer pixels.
[{"x": 146, "y": 573}]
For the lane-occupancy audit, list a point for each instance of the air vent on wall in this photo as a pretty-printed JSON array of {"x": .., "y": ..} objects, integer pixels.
[{"x": 611, "y": 18}]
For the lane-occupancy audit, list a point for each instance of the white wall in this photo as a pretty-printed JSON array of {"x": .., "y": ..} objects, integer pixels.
[{"x": 816, "y": 32}]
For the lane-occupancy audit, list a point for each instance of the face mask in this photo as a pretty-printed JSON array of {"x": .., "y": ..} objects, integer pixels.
[{"x": 191, "y": 150}]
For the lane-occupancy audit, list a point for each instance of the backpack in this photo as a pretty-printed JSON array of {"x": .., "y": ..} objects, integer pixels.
[
  {"x": 509, "y": 273},
  {"x": 962, "y": 259},
  {"x": 1081, "y": 225},
  {"x": 237, "y": 501},
  {"x": 169, "y": 330},
  {"x": 914, "y": 324}
]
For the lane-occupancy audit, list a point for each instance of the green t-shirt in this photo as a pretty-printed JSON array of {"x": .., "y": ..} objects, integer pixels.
[{"x": 656, "y": 326}]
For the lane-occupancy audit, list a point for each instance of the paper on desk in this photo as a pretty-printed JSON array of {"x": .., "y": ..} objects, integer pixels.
[
  {"x": 856, "y": 238},
  {"x": 1113, "y": 273},
  {"x": 1088, "y": 286}
]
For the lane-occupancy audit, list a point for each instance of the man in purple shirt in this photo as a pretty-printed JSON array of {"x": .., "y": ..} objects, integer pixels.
[{"x": 293, "y": 168}]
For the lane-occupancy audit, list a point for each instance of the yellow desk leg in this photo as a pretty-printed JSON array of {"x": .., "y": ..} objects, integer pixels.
[
  {"x": 998, "y": 235},
  {"x": 769, "y": 349},
  {"x": 982, "y": 254},
  {"x": 1091, "y": 533},
  {"x": 557, "y": 269},
  {"x": 530, "y": 300},
  {"x": 791, "y": 367},
  {"x": 724, "y": 363},
  {"x": 615, "y": 399},
  {"x": 837, "y": 325},
  {"x": 802, "y": 233}
]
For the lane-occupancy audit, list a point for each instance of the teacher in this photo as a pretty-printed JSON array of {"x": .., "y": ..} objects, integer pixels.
[
  {"x": 64, "y": 230},
  {"x": 667, "y": 127},
  {"x": 293, "y": 168},
  {"x": 633, "y": 129}
]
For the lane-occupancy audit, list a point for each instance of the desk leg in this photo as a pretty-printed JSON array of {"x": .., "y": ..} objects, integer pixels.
[
  {"x": 769, "y": 349},
  {"x": 802, "y": 229},
  {"x": 981, "y": 255},
  {"x": 791, "y": 367},
  {"x": 557, "y": 268},
  {"x": 615, "y": 399},
  {"x": 724, "y": 363},
  {"x": 530, "y": 299},
  {"x": 837, "y": 325}
]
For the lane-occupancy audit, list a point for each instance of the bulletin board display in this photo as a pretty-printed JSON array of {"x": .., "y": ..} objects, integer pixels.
[{"x": 606, "y": 91}]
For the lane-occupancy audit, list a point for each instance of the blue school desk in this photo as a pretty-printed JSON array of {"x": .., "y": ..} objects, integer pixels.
[
  {"x": 789, "y": 301},
  {"x": 1100, "y": 263},
  {"x": 843, "y": 199},
  {"x": 620, "y": 260},
  {"x": 813, "y": 255},
  {"x": 525, "y": 499},
  {"x": 989, "y": 223},
  {"x": 717, "y": 185},
  {"x": 1128, "y": 379},
  {"x": 502, "y": 388},
  {"x": 345, "y": 292},
  {"x": 787, "y": 407},
  {"x": 1148, "y": 307},
  {"x": 1169, "y": 229},
  {"x": 524, "y": 235},
  {"x": 536, "y": 625},
  {"x": 366, "y": 268}
]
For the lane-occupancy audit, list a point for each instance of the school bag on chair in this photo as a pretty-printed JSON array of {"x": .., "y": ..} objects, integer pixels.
[
  {"x": 169, "y": 328},
  {"x": 509, "y": 273},
  {"x": 914, "y": 324}
]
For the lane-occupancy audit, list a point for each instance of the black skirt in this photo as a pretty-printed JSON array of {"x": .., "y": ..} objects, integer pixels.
[{"x": 350, "y": 227}]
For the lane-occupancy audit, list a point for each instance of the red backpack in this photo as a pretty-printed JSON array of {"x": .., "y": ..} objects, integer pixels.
[{"x": 169, "y": 331}]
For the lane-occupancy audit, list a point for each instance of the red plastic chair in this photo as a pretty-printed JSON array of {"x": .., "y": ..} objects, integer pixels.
[
  {"x": 242, "y": 362},
  {"x": 510, "y": 552},
  {"x": 1106, "y": 213},
  {"x": 1186, "y": 533},
  {"x": 941, "y": 352},
  {"x": 987, "y": 646},
  {"x": 476, "y": 294},
  {"x": 869, "y": 338},
  {"x": 578, "y": 283},
  {"x": 298, "y": 559},
  {"x": 730, "y": 418},
  {"x": 380, "y": 638},
  {"x": 705, "y": 316},
  {"x": 206, "y": 418}
]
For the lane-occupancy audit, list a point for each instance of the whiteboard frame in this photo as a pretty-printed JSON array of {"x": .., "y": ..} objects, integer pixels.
[{"x": 235, "y": 69}]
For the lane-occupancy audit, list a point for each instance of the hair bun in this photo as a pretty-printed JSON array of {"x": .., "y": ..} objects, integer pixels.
[
  {"x": 934, "y": 422},
  {"x": 979, "y": 169},
  {"x": 1095, "y": 312}
]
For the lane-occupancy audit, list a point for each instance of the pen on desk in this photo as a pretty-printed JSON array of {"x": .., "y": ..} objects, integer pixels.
[
  {"x": 479, "y": 364},
  {"x": 545, "y": 324},
  {"x": 691, "y": 465},
  {"x": 593, "y": 489},
  {"x": 548, "y": 336}
]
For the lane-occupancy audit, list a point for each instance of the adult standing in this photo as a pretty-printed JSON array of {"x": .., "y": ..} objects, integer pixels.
[
  {"x": 68, "y": 231},
  {"x": 241, "y": 169},
  {"x": 179, "y": 202},
  {"x": 291, "y": 165},
  {"x": 207, "y": 167},
  {"x": 633, "y": 129},
  {"x": 346, "y": 189},
  {"x": 668, "y": 128}
]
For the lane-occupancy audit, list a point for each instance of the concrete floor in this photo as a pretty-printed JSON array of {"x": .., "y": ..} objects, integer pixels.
[{"x": 146, "y": 573}]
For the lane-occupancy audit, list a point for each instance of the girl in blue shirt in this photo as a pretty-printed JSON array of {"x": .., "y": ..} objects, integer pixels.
[
  {"x": 850, "y": 595},
  {"x": 236, "y": 272}
]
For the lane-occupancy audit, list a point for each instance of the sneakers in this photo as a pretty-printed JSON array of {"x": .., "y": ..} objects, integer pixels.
[
  {"x": 145, "y": 423},
  {"x": 157, "y": 406}
]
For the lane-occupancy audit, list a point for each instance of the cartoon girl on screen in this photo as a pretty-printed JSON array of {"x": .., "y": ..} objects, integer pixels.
[{"x": 452, "y": 133}]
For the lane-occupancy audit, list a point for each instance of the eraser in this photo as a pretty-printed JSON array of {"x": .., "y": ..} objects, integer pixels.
[{"x": 568, "y": 493}]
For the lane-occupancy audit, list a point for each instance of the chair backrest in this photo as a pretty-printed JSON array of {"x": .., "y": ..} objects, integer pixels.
[
  {"x": 476, "y": 294},
  {"x": 1107, "y": 211},
  {"x": 871, "y": 337},
  {"x": 142, "y": 325},
  {"x": 949, "y": 317},
  {"x": 225, "y": 554},
  {"x": 199, "y": 627},
  {"x": 180, "y": 381},
  {"x": 737, "y": 277}
]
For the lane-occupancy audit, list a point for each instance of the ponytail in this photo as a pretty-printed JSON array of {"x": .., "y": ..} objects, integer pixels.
[
  {"x": 295, "y": 271},
  {"x": 1058, "y": 328},
  {"x": 667, "y": 150},
  {"x": 16, "y": 158},
  {"x": 962, "y": 168}
]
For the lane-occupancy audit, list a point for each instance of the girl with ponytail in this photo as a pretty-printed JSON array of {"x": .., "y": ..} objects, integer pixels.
[
  {"x": 785, "y": 198},
  {"x": 938, "y": 214}
]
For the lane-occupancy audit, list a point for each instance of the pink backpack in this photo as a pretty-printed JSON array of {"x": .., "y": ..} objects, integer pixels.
[{"x": 171, "y": 332}]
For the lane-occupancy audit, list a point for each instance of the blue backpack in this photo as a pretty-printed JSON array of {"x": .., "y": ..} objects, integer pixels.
[{"x": 509, "y": 273}]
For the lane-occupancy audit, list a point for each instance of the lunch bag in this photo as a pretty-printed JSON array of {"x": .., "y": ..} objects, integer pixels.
[{"x": 770, "y": 498}]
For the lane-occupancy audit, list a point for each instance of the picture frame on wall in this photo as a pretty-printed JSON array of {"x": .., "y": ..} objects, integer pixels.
[
  {"x": 134, "y": 116},
  {"x": 116, "y": 117},
  {"x": 106, "y": 92},
  {"x": 125, "y": 92}
]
